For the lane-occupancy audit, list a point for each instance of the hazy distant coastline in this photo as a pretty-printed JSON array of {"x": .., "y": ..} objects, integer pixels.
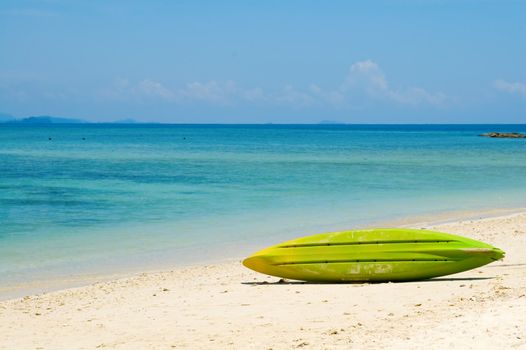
[{"x": 46, "y": 119}]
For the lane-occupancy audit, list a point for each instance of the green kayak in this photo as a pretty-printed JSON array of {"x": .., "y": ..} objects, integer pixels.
[{"x": 391, "y": 254}]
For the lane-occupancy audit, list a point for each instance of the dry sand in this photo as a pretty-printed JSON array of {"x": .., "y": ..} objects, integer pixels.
[{"x": 226, "y": 306}]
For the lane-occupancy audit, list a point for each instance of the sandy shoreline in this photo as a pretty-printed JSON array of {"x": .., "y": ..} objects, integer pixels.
[
  {"x": 227, "y": 306},
  {"x": 52, "y": 281}
]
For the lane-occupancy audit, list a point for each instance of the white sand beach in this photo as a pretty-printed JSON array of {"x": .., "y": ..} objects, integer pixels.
[{"x": 226, "y": 306}]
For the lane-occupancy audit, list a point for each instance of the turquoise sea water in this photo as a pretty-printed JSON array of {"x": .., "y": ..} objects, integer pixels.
[{"x": 98, "y": 198}]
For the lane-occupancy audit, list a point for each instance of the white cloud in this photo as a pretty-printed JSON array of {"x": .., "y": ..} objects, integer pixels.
[
  {"x": 154, "y": 88},
  {"x": 253, "y": 95},
  {"x": 123, "y": 89},
  {"x": 514, "y": 88},
  {"x": 211, "y": 91},
  {"x": 293, "y": 97},
  {"x": 367, "y": 76},
  {"x": 334, "y": 97},
  {"x": 365, "y": 80},
  {"x": 415, "y": 96}
]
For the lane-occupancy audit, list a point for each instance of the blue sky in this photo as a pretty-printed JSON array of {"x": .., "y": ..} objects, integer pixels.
[{"x": 265, "y": 61}]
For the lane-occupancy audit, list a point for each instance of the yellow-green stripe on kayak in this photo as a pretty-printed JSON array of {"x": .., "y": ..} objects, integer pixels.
[{"x": 391, "y": 254}]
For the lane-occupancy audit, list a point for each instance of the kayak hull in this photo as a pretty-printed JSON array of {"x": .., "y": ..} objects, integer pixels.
[{"x": 375, "y": 255}]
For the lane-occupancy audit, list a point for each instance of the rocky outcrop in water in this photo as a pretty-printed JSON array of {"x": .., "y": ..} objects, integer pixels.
[{"x": 509, "y": 135}]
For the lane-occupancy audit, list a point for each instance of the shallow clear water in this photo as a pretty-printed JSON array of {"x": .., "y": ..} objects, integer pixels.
[{"x": 134, "y": 195}]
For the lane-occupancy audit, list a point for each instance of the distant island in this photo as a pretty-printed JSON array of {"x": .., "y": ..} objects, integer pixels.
[
  {"x": 331, "y": 122},
  {"x": 47, "y": 119},
  {"x": 124, "y": 121},
  {"x": 509, "y": 135}
]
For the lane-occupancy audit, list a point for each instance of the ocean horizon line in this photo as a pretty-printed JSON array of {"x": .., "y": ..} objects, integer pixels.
[{"x": 10, "y": 123}]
